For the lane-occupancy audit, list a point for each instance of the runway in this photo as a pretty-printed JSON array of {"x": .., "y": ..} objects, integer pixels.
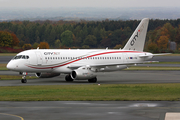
[
  {"x": 118, "y": 77},
  {"x": 88, "y": 110}
]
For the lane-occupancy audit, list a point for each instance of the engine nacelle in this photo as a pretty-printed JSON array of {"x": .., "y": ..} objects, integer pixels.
[
  {"x": 46, "y": 75},
  {"x": 82, "y": 73}
]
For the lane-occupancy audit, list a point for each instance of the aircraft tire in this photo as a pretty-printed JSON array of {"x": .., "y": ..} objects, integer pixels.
[
  {"x": 93, "y": 80},
  {"x": 68, "y": 78},
  {"x": 24, "y": 81}
]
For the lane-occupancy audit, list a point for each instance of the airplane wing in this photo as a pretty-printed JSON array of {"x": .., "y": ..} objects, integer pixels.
[{"x": 73, "y": 67}]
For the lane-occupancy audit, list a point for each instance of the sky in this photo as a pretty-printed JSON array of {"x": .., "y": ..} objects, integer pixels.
[{"x": 87, "y": 3}]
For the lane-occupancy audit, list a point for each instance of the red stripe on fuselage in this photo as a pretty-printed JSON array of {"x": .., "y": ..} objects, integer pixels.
[{"x": 81, "y": 59}]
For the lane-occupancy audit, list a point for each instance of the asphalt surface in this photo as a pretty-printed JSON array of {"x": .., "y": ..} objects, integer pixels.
[
  {"x": 166, "y": 58},
  {"x": 118, "y": 77},
  {"x": 88, "y": 110},
  {"x": 5, "y": 59}
]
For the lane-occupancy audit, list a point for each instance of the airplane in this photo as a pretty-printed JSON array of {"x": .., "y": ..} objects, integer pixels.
[{"x": 82, "y": 64}]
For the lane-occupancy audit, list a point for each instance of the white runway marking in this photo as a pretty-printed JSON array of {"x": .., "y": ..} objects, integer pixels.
[
  {"x": 12, "y": 115},
  {"x": 172, "y": 116}
]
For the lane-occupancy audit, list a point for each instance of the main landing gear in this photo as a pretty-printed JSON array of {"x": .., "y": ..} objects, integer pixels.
[
  {"x": 23, "y": 80},
  {"x": 68, "y": 78},
  {"x": 93, "y": 80}
]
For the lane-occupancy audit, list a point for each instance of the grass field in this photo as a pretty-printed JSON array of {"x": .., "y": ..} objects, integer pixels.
[
  {"x": 125, "y": 92},
  {"x": 14, "y": 77},
  {"x": 152, "y": 68},
  {"x": 164, "y": 63},
  {"x": 8, "y": 54},
  {"x": 3, "y": 67}
]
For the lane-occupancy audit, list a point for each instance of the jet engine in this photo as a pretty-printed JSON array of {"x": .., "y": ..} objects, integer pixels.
[
  {"x": 83, "y": 73},
  {"x": 46, "y": 75}
]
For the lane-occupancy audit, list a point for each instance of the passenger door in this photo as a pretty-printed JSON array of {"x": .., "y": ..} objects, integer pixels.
[{"x": 39, "y": 58}]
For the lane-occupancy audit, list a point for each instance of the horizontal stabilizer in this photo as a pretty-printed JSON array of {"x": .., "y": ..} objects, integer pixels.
[
  {"x": 144, "y": 56},
  {"x": 151, "y": 55},
  {"x": 161, "y": 54}
]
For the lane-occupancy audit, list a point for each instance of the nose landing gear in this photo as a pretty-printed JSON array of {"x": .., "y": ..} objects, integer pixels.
[{"x": 23, "y": 80}]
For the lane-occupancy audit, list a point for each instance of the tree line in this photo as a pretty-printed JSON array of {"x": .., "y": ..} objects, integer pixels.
[{"x": 90, "y": 34}]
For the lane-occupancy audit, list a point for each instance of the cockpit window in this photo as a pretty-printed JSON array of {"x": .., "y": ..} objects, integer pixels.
[
  {"x": 18, "y": 57},
  {"x": 21, "y": 57}
]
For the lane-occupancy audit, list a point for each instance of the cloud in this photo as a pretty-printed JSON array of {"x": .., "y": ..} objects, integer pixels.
[{"x": 88, "y": 3}]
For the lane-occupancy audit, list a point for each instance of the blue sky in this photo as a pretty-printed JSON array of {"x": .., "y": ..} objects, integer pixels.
[{"x": 89, "y": 3}]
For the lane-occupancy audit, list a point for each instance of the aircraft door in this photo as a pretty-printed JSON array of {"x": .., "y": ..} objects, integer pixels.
[
  {"x": 125, "y": 58},
  {"x": 39, "y": 58}
]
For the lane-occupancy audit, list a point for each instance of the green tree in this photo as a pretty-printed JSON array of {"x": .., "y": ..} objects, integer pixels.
[
  {"x": 119, "y": 46},
  {"x": 15, "y": 41},
  {"x": 178, "y": 35},
  {"x": 35, "y": 45},
  {"x": 6, "y": 39},
  {"x": 43, "y": 45},
  {"x": 27, "y": 46},
  {"x": 163, "y": 43},
  {"x": 152, "y": 47},
  {"x": 57, "y": 43},
  {"x": 85, "y": 47},
  {"x": 52, "y": 36},
  {"x": 90, "y": 41},
  {"x": 67, "y": 38}
]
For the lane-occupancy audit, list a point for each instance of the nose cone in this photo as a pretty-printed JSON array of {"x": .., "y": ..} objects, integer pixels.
[{"x": 10, "y": 66}]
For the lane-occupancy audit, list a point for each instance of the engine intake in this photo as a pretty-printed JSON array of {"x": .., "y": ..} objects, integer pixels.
[{"x": 82, "y": 73}]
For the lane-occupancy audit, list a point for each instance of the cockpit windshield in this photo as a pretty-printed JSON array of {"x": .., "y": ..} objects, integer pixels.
[{"x": 21, "y": 57}]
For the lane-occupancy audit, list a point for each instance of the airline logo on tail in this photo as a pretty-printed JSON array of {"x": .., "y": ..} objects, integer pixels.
[{"x": 134, "y": 39}]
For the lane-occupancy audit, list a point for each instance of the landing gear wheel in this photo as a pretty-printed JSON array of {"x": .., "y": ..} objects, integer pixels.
[
  {"x": 24, "y": 81},
  {"x": 68, "y": 78},
  {"x": 93, "y": 80}
]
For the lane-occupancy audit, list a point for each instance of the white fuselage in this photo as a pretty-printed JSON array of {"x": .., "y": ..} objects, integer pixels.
[{"x": 64, "y": 61}]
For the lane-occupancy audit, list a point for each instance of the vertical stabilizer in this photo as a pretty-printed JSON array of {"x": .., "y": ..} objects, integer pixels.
[{"x": 137, "y": 40}]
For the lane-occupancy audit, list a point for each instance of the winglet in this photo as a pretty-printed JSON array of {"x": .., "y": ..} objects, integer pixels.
[{"x": 137, "y": 40}]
